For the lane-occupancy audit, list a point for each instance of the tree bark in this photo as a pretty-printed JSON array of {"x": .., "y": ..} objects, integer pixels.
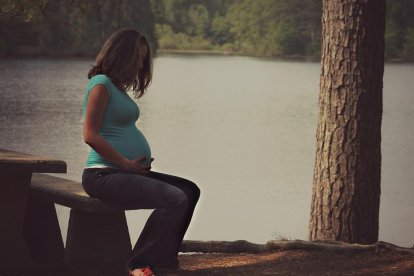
[{"x": 347, "y": 173}]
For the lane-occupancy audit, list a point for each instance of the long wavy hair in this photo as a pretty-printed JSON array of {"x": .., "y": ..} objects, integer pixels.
[{"x": 119, "y": 60}]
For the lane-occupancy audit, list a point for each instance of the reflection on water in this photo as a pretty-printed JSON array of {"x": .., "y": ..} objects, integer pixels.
[{"x": 243, "y": 129}]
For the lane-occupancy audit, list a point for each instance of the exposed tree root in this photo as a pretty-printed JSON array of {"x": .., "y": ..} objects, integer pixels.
[{"x": 242, "y": 246}]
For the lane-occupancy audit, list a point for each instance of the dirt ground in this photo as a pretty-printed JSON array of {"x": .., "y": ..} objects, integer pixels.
[
  {"x": 299, "y": 262},
  {"x": 289, "y": 262}
]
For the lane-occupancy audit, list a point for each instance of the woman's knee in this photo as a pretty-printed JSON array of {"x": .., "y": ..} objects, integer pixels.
[
  {"x": 197, "y": 192},
  {"x": 191, "y": 190},
  {"x": 194, "y": 191}
]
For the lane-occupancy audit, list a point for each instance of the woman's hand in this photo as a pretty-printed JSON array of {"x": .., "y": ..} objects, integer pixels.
[{"x": 135, "y": 165}]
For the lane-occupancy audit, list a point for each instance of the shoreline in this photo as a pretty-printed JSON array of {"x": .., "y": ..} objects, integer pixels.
[
  {"x": 193, "y": 52},
  {"x": 168, "y": 52}
]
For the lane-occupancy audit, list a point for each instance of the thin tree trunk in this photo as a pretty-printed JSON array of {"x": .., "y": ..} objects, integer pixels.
[{"x": 346, "y": 184}]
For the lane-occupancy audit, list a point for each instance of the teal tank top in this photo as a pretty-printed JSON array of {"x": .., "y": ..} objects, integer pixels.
[{"x": 118, "y": 127}]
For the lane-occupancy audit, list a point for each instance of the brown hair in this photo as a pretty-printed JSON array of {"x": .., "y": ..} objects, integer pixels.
[{"x": 119, "y": 60}]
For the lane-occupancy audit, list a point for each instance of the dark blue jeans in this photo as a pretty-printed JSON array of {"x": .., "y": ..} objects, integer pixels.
[{"x": 173, "y": 198}]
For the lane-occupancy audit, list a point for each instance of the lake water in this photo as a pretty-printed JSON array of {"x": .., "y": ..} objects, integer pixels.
[{"x": 242, "y": 128}]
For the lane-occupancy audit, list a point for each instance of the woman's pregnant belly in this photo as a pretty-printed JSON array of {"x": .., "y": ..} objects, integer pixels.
[{"x": 132, "y": 144}]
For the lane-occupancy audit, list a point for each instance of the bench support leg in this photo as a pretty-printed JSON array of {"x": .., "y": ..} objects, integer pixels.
[
  {"x": 42, "y": 233},
  {"x": 14, "y": 190},
  {"x": 97, "y": 238}
]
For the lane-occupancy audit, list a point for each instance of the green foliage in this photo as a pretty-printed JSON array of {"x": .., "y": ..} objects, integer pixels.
[
  {"x": 198, "y": 19},
  {"x": 220, "y": 31},
  {"x": 260, "y": 28},
  {"x": 289, "y": 39},
  {"x": 398, "y": 32},
  {"x": 266, "y": 27},
  {"x": 75, "y": 28},
  {"x": 408, "y": 47},
  {"x": 248, "y": 27},
  {"x": 21, "y": 10},
  {"x": 179, "y": 41}
]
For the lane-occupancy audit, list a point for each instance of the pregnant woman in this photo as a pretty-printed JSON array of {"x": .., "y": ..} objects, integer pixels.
[{"x": 118, "y": 168}]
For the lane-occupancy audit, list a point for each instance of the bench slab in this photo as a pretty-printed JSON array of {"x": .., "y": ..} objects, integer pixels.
[
  {"x": 13, "y": 161},
  {"x": 67, "y": 193}
]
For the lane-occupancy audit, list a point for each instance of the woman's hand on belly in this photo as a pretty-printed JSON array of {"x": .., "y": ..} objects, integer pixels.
[{"x": 136, "y": 166}]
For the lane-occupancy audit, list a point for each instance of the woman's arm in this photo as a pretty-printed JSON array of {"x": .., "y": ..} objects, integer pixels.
[{"x": 95, "y": 111}]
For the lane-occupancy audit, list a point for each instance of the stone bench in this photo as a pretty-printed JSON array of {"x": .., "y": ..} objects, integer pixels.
[
  {"x": 97, "y": 232},
  {"x": 16, "y": 169}
]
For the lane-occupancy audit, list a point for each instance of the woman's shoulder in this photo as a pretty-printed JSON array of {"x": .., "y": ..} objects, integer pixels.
[{"x": 100, "y": 79}]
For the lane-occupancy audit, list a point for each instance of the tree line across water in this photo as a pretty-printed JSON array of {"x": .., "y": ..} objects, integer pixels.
[{"x": 274, "y": 28}]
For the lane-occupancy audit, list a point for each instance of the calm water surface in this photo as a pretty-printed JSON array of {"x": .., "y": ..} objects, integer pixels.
[{"x": 243, "y": 129}]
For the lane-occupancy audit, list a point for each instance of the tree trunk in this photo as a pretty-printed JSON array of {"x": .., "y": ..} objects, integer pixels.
[{"x": 347, "y": 173}]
